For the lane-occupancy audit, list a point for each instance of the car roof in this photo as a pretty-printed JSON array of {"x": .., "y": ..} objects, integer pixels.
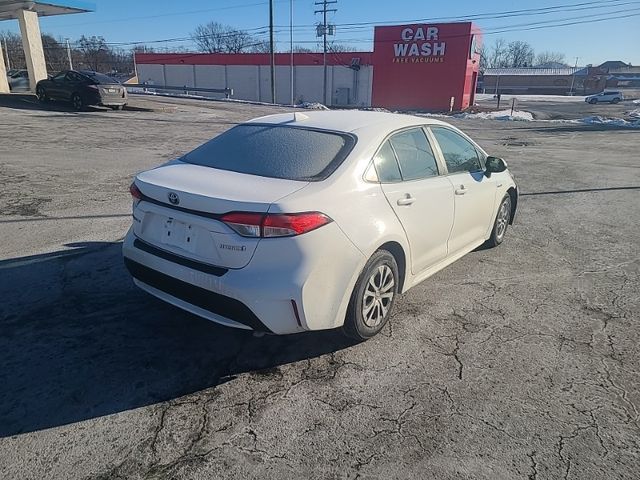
[{"x": 346, "y": 120}]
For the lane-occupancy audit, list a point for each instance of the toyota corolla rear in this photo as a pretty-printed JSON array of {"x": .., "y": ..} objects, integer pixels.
[{"x": 210, "y": 236}]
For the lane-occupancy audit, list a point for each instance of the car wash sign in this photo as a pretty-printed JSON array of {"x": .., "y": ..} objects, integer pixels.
[{"x": 419, "y": 44}]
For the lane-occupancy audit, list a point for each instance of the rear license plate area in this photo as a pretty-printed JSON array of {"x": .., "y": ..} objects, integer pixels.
[{"x": 179, "y": 234}]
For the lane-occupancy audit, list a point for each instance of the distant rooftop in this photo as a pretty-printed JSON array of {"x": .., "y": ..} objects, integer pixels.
[
  {"x": 536, "y": 71},
  {"x": 9, "y": 8}
]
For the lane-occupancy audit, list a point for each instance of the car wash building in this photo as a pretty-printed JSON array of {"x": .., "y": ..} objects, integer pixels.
[{"x": 431, "y": 67}]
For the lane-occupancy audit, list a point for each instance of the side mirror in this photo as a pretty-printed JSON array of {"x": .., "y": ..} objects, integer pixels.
[{"x": 494, "y": 165}]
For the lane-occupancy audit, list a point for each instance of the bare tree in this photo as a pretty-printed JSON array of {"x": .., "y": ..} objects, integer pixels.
[
  {"x": 215, "y": 37},
  {"x": 95, "y": 52},
  {"x": 497, "y": 57},
  {"x": 302, "y": 49},
  {"x": 236, "y": 41},
  {"x": 260, "y": 46},
  {"x": 210, "y": 37},
  {"x": 520, "y": 54},
  {"x": 55, "y": 53},
  {"x": 337, "y": 48},
  {"x": 550, "y": 58},
  {"x": 14, "y": 49}
]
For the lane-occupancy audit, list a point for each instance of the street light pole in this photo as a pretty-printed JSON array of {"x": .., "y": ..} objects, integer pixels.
[
  {"x": 291, "y": 46},
  {"x": 273, "y": 55},
  {"x": 69, "y": 54},
  {"x": 573, "y": 78},
  {"x": 7, "y": 54}
]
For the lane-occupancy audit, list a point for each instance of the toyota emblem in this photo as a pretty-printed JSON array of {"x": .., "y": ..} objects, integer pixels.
[{"x": 173, "y": 198}]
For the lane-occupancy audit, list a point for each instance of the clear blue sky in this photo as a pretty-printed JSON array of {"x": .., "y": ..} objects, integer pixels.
[{"x": 144, "y": 20}]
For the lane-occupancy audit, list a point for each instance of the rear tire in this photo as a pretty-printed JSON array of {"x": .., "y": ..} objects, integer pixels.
[
  {"x": 77, "y": 102},
  {"x": 615, "y": 100},
  {"x": 373, "y": 297},
  {"x": 503, "y": 217}
]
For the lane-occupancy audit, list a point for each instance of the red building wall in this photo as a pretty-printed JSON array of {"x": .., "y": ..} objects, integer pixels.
[{"x": 422, "y": 66}]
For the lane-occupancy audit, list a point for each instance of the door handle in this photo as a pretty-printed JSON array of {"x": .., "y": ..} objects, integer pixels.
[
  {"x": 461, "y": 190},
  {"x": 406, "y": 200}
]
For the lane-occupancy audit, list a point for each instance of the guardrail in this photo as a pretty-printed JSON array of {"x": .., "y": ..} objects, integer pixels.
[{"x": 228, "y": 92}]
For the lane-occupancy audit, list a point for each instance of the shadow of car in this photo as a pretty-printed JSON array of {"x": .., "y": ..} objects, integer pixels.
[{"x": 78, "y": 341}]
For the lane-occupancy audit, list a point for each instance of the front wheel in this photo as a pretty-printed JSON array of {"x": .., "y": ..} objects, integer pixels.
[
  {"x": 502, "y": 222},
  {"x": 615, "y": 100},
  {"x": 373, "y": 297},
  {"x": 593, "y": 101},
  {"x": 41, "y": 94}
]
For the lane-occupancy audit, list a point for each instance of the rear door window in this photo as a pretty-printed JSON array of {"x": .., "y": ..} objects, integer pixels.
[
  {"x": 415, "y": 157},
  {"x": 387, "y": 165},
  {"x": 275, "y": 151}
]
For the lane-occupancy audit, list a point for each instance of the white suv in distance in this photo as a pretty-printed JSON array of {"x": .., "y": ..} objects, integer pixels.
[
  {"x": 296, "y": 222},
  {"x": 611, "y": 97}
]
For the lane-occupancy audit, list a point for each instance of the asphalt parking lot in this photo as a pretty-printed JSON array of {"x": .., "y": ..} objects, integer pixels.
[{"x": 517, "y": 362}]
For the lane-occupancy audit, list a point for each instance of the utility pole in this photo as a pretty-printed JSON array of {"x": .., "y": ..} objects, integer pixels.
[
  {"x": 7, "y": 54},
  {"x": 69, "y": 54},
  {"x": 573, "y": 78},
  {"x": 273, "y": 54},
  {"x": 291, "y": 46},
  {"x": 324, "y": 30}
]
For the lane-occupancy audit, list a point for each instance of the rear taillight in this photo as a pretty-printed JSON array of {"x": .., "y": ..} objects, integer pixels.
[
  {"x": 135, "y": 192},
  {"x": 249, "y": 224},
  {"x": 246, "y": 224}
]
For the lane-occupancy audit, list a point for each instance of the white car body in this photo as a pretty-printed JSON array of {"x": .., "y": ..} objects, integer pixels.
[
  {"x": 291, "y": 284},
  {"x": 610, "y": 97}
]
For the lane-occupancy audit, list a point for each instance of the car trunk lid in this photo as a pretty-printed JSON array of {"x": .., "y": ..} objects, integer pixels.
[{"x": 182, "y": 205}]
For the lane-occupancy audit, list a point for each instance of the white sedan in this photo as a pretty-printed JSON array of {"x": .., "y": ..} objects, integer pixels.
[{"x": 296, "y": 222}]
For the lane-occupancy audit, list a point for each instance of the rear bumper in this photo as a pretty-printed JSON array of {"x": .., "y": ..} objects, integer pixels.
[{"x": 290, "y": 285}]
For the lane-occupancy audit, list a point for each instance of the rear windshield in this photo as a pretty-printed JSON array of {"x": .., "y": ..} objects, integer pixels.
[
  {"x": 100, "y": 78},
  {"x": 275, "y": 151}
]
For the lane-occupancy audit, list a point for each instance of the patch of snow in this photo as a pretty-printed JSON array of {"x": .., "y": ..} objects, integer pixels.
[
  {"x": 634, "y": 113},
  {"x": 531, "y": 98},
  {"x": 613, "y": 122},
  {"x": 311, "y": 106},
  {"x": 637, "y": 102},
  {"x": 428, "y": 115},
  {"x": 519, "y": 115}
]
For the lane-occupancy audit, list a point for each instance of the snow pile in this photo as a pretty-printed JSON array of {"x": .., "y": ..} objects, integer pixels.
[
  {"x": 312, "y": 106},
  {"x": 519, "y": 115},
  {"x": 634, "y": 113},
  {"x": 613, "y": 122},
  {"x": 637, "y": 102},
  {"x": 483, "y": 97}
]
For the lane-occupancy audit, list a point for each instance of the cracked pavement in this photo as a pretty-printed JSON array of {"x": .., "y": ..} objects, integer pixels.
[{"x": 515, "y": 362}]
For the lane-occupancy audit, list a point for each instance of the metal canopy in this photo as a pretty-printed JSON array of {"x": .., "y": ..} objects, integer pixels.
[{"x": 9, "y": 8}]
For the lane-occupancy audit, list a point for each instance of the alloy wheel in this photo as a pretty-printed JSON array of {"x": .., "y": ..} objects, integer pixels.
[
  {"x": 503, "y": 219},
  {"x": 378, "y": 296},
  {"x": 77, "y": 102}
]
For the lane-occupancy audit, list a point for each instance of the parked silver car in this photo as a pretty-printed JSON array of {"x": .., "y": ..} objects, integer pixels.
[
  {"x": 18, "y": 80},
  {"x": 602, "y": 97}
]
